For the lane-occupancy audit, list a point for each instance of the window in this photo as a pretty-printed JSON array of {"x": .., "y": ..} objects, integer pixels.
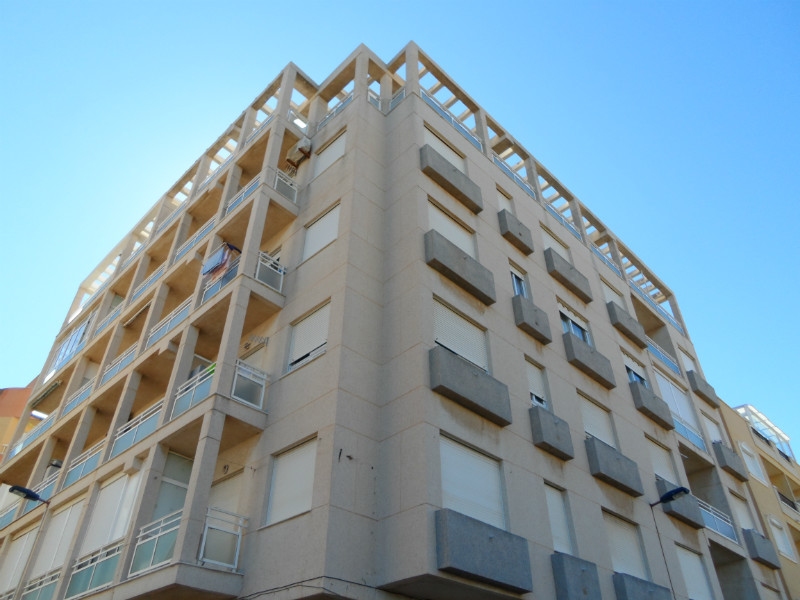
[
  {"x": 597, "y": 422},
  {"x": 559, "y": 519},
  {"x": 309, "y": 337},
  {"x": 518, "y": 283},
  {"x": 174, "y": 485},
  {"x": 452, "y": 230},
  {"x": 752, "y": 462},
  {"x": 330, "y": 154},
  {"x": 111, "y": 515},
  {"x": 458, "y": 335},
  {"x": 625, "y": 546},
  {"x": 17, "y": 555},
  {"x": 550, "y": 242},
  {"x": 662, "y": 462},
  {"x": 572, "y": 323},
  {"x": 443, "y": 148},
  {"x": 635, "y": 370},
  {"x": 71, "y": 345},
  {"x": 712, "y": 429},
  {"x": 321, "y": 232},
  {"x": 742, "y": 512},
  {"x": 57, "y": 540},
  {"x": 678, "y": 401},
  {"x": 536, "y": 384},
  {"x": 781, "y": 537},
  {"x": 292, "y": 484},
  {"x": 612, "y": 295},
  {"x": 471, "y": 483},
  {"x": 694, "y": 573},
  {"x": 504, "y": 202},
  {"x": 688, "y": 362}
]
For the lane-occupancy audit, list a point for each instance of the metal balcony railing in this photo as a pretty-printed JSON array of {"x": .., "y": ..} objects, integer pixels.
[
  {"x": 786, "y": 500},
  {"x": 655, "y": 306},
  {"x": 452, "y": 119},
  {"x": 82, "y": 394},
  {"x": 335, "y": 110},
  {"x": 45, "y": 489},
  {"x": 192, "y": 241},
  {"x": 241, "y": 196},
  {"x": 517, "y": 179},
  {"x": 132, "y": 256},
  {"x": 122, "y": 361},
  {"x": 171, "y": 217},
  {"x": 605, "y": 259},
  {"x": 374, "y": 98},
  {"x": 31, "y": 436},
  {"x": 249, "y": 384},
  {"x": 663, "y": 356},
  {"x": 169, "y": 322},
  {"x": 222, "y": 538},
  {"x": 107, "y": 320},
  {"x": 270, "y": 272},
  {"x": 94, "y": 570},
  {"x": 689, "y": 432},
  {"x": 397, "y": 98},
  {"x": 193, "y": 391},
  {"x": 136, "y": 429},
  {"x": 155, "y": 542},
  {"x": 142, "y": 287},
  {"x": 260, "y": 128},
  {"x": 42, "y": 587},
  {"x": 215, "y": 285},
  {"x": 718, "y": 521},
  {"x": 563, "y": 220},
  {"x": 7, "y": 516},
  {"x": 285, "y": 186},
  {"x": 83, "y": 464},
  {"x": 216, "y": 171}
]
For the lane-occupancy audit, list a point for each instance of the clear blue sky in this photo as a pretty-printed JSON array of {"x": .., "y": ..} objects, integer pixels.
[{"x": 675, "y": 122}]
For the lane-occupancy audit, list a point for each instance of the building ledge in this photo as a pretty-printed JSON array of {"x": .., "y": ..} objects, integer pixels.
[
  {"x": 614, "y": 468},
  {"x": 702, "y": 388},
  {"x": 550, "y": 433},
  {"x": 531, "y": 319},
  {"x": 181, "y": 582},
  {"x": 448, "y": 259},
  {"x": 457, "y": 184},
  {"x": 585, "y": 358},
  {"x": 650, "y": 405},
  {"x": 515, "y": 233},
  {"x": 626, "y": 324},
  {"x": 567, "y": 275}
]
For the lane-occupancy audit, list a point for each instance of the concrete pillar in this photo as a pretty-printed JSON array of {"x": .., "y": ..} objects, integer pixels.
[
  {"x": 203, "y": 165},
  {"x": 482, "y": 130},
  {"x": 42, "y": 462},
  {"x": 155, "y": 314},
  {"x": 248, "y": 261},
  {"x": 194, "y": 512},
  {"x": 229, "y": 190},
  {"x": 78, "y": 443},
  {"x": 533, "y": 177},
  {"x": 123, "y": 411},
  {"x": 182, "y": 234},
  {"x": 386, "y": 91},
  {"x": 272, "y": 154},
  {"x": 361, "y": 75},
  {"x": 180, "y": 371},
  {"x": 231, "y": 339},
  {"x": 412, "y": 68},
  {"x": 248, "y": 123},
  {"x": 577, "y": 218},
  {"x": 287, "y": 87}
]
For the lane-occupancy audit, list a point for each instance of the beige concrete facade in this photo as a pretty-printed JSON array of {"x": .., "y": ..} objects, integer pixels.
[{"x": 245, "y": 403}]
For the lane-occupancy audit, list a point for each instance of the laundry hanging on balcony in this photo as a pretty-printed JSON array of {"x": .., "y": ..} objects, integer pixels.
[{"x": 219, "y": 260}]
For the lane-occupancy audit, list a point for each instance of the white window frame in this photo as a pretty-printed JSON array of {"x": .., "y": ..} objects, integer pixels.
[
  {"x": 537, "y": 385},
  {"x": 695, "y": 576},
  {"x": 519, "y": 282},
  {"x": 573, "y": 324},
  {"x": 635, "y": 370},
  {"x": 292, "y": 482},
  {"x": 597, "y": 422},
  {"x": 782, "y": 538},
  {"x": 321, "y": 232},
  {"x": 307, "y": 338},
  {"x": 661, "y": 456},
  {"x": 741, "y": 511}
]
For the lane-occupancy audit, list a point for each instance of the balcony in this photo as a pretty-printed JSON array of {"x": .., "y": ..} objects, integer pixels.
[
  {"x": 285, "y": 186},
  {"x": 270, "y": 272},
  {"x": 7, "y": 516},
  {"x": 689, "y": 432},
  {"x": 168, "y": 323},
  {"x": 192, "y": 241},
  {"x": 83, "y": 464},
  {"x": 531, "y": 319},
  {"x": 109, "y": 318},
  {"x": 335, "y": 111},
  {"x": 718, "y": 521},
  {"x": 155, "y": 542},
  {"x": 171, "y": 217},
  {"x": 42, "y": 587},
  {"x": 563, "y": 220},
  {"x": 94, "y": 570},
  {"x": 785, "y": 500},
  {"x": 142, "y": 287},
  {"x": 241, "y": 196},
  {"x": 31, "y": 436},
  {"x": 517, "y": 179},
  {"x": 448, "y": 259},
  {"x": 588, "y": 360},
  {"x": 216, "y": 284},
  {"x": 452, "y": 119},
  {"x": 514, "y": 232},
  {"x": 663, "y": 356},
  {"x": 133, "y": 255},
  {"x": 626, "y": 324},
  {"x": 609, "y": 263},
  {"x": 122, "y": 361},
  {"x": 222, "y": 538},
  {"x": 565, "y": 273},
  {"x": 652, "y": 303},
  {"x": 457, "y": 184},
  {"x": 249, "y": 384},
  {"x": 82, "y": 394},
  {"x": 609, "y": 465},
  {"x": 193, "y": 391},
  {"x": 136, "y": 429},
  {"x": 256, "y": 130},
  {"x": 45, "y": 489}
]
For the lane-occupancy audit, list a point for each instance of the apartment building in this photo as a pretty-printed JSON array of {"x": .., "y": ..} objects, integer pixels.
[{"x": 367, "y": 346}]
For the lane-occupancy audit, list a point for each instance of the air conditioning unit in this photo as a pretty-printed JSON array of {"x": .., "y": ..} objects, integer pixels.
[{"x": 300, "y": 152}]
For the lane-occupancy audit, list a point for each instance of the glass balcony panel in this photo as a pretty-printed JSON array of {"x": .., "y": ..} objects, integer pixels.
[
  {"x": 663, "y": 356},
  {"x": 212, "y": 287},
  {"x": 78, "y": 397},
  {"x": 717, "y": 520},
  {"x": 192, "y": 241},
  {"x": 249, "y": 384},
  {"x": 8, "y": 516},
  {"x": 136, "y": 429},
  {"x": 169, "y": 322},
  {"x": 286, "y": 186},
  {"x": 241, "y": 196},
  {"x": 142, "y": 287},
  {"x": 156, "y": 542},
  {"x": 31, "y": 436},
  {"x": 270, "y": 272},
  {"x": 222, "y": 537},
  {"x": 193, "y": 391}
]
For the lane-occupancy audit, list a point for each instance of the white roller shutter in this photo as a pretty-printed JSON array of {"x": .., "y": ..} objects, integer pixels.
[
  {"x": 292, "y": 483},
  {"x": 471, "y": 483},
  {"x": 559, "y": 519},
  {"x": 625, "y": 547},
  {"x": 453, "y": 157},
  {"x": 694, "y": 575},
  {"x": 503, "y": 202},
  {"x": 450, "y": 229},
  {"x": 677, "y": 400},
  {"x": 611, "y": 295},
  {"x": 57, "y": 539},
  {"x": 455, "y": 333},
  {"x": 712, "y": 429},
  {"x": 536, "y": 384},
  {"x": 742, "y": 513},
  {"x": 109, "y": 519},
  {"x": 688, "y": 362},
  {"x": 321, "y": 232},
  {"x": 330, "y": 154},
  {"x": 225, "y": 494},
  {"x": 597, "y": 422},
  {"x": 559, "y": 248},
  {"x": 662, "y": 462},
  {"x": 310, "y": 334},
  {"x": 18, "y": 552}
]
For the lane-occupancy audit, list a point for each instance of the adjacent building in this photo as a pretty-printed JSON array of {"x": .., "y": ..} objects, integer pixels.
[{"x": 367, "y": 346}]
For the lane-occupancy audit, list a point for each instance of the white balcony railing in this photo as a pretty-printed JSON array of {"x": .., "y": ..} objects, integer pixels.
[
  {"x": 192, "y": 241},
  {"x": 718, "y": 521},
  {"x": 7, "y": 516},
  {"x": 241, "y": 196},
  {"x": 83, "y": 464},
  {"x": 222, "y": 538},
  {"x": 335, "y": 110},
  {"x": 136, "y": 429},
  {"x": 452, "y": 119},
  {"x": 31, "y": 436},
  {"x": 270, "y": 272},
  {"x": 193, "y": 391},
  {"x": 517, "y": 179},
  {"x": 215, "y": 285},
  {"x": 171, "y": 217},
  {"x": 107, "y": 320},
  {"x": 82, "y": 394},
  {"x": 155, "y": 542},
  {"x": 41, "y": 588},
  {"x": 122, "y": 361},
  {"x": 259, "y": 128},
  {"x": 45, "y": 489},
  {"x": 249, "y": 384},
  {"x": 285, "y": 186},
  {"x": 663, "y": 356},
  {"x": 169, "y": 322},
  {"x": 94, "y": 570},
  {"x": 142, "y": 287},
  {"x": 689, "y": 432}
]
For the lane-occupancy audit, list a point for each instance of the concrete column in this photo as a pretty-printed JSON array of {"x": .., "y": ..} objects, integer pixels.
[
  {"x": 231, "y": 339},
  {"x": 386, "y": 91},
  {"x": 194, "y": 512},
  {"x": 123, "y": 411},
  {"x": 180, "y": 371},
  {"x": 248, "y": 261},
  {"x": 155, "y": 314},
  {"x": 317, "y": 112},
  {"x": 203, "y": 165},
  {"x": 272, "y": 154},
  {"x": 412, "y": 68},
  {"x": 286, "y": 89},
  {"x": 140, "y": 274},
  {"x": 533, "y": 177},
  {"x": 230, "y": 189},
  {"x": 577, "y": 218},
  {"x": 182, "y": 234},
  {"x": 19, "y": 431},
  {"x": 482, "y": 130},
  {"x": 361, "y": 75},
  {"x": 248, "y": 122},
  {"x": 78, "y": 443},
  {"x": 42, "y": 462}
]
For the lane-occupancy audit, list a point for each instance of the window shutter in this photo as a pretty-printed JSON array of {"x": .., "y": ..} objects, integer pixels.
[
  {"x": 16, "y": 557},
  {"x": 742, "y": 513},
  {"x": 751, "y": 460},
  {"x": 536, "y": 384},
  {"x": 329, "y": 155},
  {"x": 453, "y": 157},
  {"x": 781, "y": 538},
  {"x": 694, "y": 575},
  {"x": 688, "y": 362},
  {"x": 503, "y": 202},
  {"x": 677, "y": 400},
  {"x": 712, "y": 429},
  {"x": 597, "y": 422},
  {"x": 292, "y": 483},
  {"x": 625, "y": 546},
  {"x": 321, "y": 232},
  {"x": 450, "y": 229},
  {"x": 310, "y": 334},
  {"x": 558, "y": 247},
  {"x": 573, "y": 316},
  {"x": 459, "y": 335},
  {"x": 633, "y": 365},
  {"x": 559, "y": 519},
  {"x": 57, "y": 539},
  {"x": 471, "y": 483},
  {"x": 662, "y": 463},
  {"x": 611, "y": 295},
  {"x": 111, "y": 514},
  {"x": 225, "y": 494}
]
